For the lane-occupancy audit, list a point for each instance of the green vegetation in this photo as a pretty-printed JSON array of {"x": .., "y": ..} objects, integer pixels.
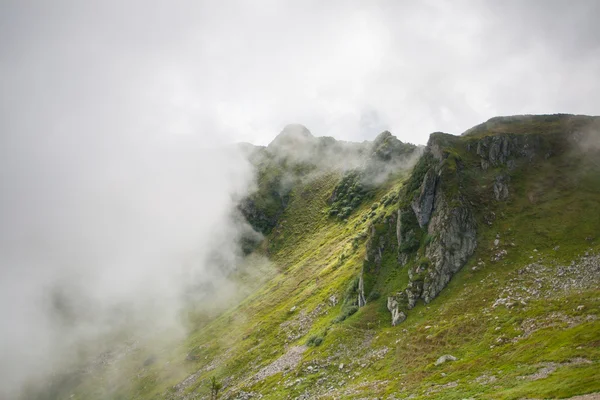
[
  {"x": 348, "y": 195},
  {"x": 543, "y": 342},
  {"x": 215, "y": 387}
]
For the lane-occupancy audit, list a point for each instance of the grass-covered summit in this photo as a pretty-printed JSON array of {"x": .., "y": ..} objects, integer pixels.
[{"x": 467, "y": 269}]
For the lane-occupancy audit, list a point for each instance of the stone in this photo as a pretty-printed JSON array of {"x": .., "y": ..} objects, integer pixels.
[
  {"x": 507, "y": 150},
  {"x": 414, "y": 289},
  {"x": 393, "y": 307},
  {"x": 361, "y": 292},
  {"x": 422, "y": 204},
  {"x": 500, "y": 188},
  {"x": 456, "y": 231},
  {"x": 445, "y": 358},
  {"x": 333, "y": 300}
]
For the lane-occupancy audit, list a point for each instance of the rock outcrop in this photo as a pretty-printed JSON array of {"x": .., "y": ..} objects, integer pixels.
[
  {"x": 455, "y": 230},
  {"x": 445, "y": 358},
  {"x": 501, "y": 187},
  {"x": 422, "y": 205},
  {"x": 438, "y": 230},
  {"x": 393, "y": 305},
  {"x": 362, "y": 301},
  {"x": 504, "y": 150},
  {"x": 413, "y": 291},
  {"x": 451, "y": 228}
]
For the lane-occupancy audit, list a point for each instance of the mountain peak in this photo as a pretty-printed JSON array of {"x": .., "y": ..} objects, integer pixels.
[{"x": 292, "y": 135}]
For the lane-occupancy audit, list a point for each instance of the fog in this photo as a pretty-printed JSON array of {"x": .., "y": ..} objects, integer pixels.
[
  {"x": 348, "y": 69},
  {"x": 118, "y": 183},
  {"x": 97, "y": 235}
]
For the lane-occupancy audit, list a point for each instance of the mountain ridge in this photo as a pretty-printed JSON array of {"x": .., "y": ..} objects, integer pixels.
[{"x": 469, "y": 268}]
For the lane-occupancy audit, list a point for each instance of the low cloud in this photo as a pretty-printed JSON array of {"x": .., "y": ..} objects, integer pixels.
[{"x": 94, "y": 243}]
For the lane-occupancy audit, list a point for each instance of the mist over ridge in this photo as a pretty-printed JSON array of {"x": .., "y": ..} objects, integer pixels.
[{"x": 193, "y": 189}]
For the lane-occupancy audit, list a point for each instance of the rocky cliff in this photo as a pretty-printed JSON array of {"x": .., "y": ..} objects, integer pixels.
[{"x": 437, "y": 225}]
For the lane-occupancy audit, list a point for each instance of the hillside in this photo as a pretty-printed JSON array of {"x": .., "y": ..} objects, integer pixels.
[{"x": 466, "y": 269}]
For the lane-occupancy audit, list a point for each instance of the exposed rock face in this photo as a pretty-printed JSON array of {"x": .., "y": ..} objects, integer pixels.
[
  {"x": 402, "y": 258},
  {"x": 456, "y": 231},
  {"x": 445, "y": 358},
  {"x": 493, "y": 150},
  {"x": 501, "y": 188},
  {"x": 422, "y": 205},
  {"x": 413, "y": 291},
  {"x": 436, "y": 229},
  {"x": 393, "y": 306},
  {"x": 446, "y": 234},
  {"x": 502, "y": 150},
  {"x": 361, "y": 292}
]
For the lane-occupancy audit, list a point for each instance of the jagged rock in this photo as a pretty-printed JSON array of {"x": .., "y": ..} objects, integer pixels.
[
  {"x": 455, "y": 227},
  {"x": 361, "y": 292},
  {"x": 393, "y": 306},
  {"x": 501, "y": 187},
  {"x": 444, "y": 358},
  {"x": 485, "y": 164},
  {"x": 399, "y": 228},
  {"x": 413, "y": 292},
  {"x": 402, "y": 259},
  {"x": 423, "y": 203},
  {"x": 333, "y": 300},
  {"x": 451, "y": 229},
  {"x": 501, "y": 150}
]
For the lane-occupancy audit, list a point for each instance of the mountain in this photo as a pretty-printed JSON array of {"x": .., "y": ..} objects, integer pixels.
[{"x": 469, "y": 268}]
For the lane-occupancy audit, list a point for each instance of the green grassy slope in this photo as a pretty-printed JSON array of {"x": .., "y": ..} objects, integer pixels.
[{"x": 521, "y": 317}]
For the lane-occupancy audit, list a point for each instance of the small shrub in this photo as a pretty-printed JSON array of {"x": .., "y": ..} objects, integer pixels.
[
  {"x": 347, "y": 311},
  {"x": 215, "y": 387},
  {"x": 348, "y": 195},
  {"x": 374, "y": 295},
  {"x": 314, "y": 341}
]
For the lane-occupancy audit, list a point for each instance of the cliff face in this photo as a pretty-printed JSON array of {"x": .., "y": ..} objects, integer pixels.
[
  {"x": 437, "y": 222},
  {"x": 454, "y": 230},
  {"x": 436, "y": 229}
]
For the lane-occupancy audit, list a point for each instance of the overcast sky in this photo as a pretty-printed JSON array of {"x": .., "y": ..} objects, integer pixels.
[{"x": 239, "y": 71}]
